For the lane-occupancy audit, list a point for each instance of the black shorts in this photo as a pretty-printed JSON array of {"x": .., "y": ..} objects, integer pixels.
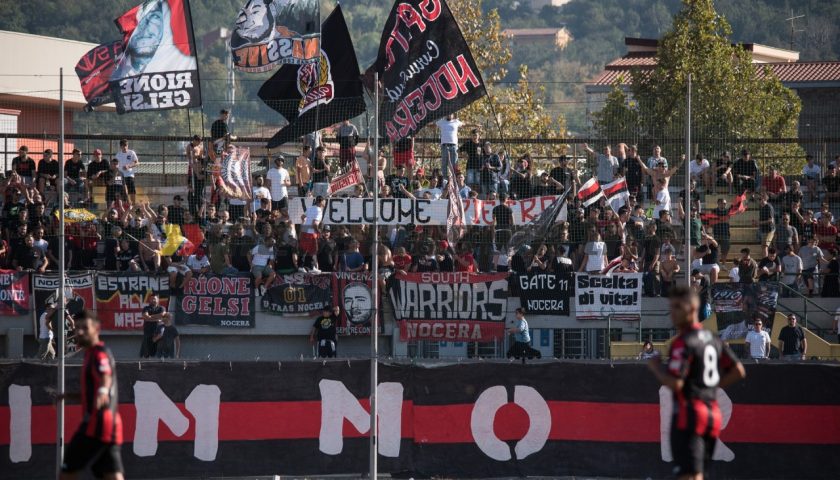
[
  {"x": 280, "y": 204},
  {"x": 84, "y": 451},
  {"x": 691, "y": 451},
  {"x": 327, "y": 350},
  {"x": 129, "y": 184}
]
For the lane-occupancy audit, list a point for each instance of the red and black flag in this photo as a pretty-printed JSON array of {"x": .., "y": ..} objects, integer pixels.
[
  {"x": 590, "y": 192},
  {"x": 425, "y": 68},
  {"x": 617, "y": 193},
  {"x": 94, "y": 71},
  {"x": 316, "y": 95},
  {"x": 739, "y": 205}
]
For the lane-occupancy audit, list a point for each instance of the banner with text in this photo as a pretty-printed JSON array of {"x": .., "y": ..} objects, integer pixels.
[
  {"x": 78, "y": 292},
  {"x": 456, "y": 306},
  {"x": 544, "y": 293},
  {"x": 15, "y": 295},
  {"x": 601, "y": 296},
  {"x": 217, "y": 302},
  {"x": 738, "y": 305},
  {"x": 267, "y": 34},
  {"x": 298, "y": 293},
  {"x": 402, "y": 211},
  {"x": 352, "y": 292},
  {"x": 120, "y": 298},
  {"x": 425, "y": 66}
]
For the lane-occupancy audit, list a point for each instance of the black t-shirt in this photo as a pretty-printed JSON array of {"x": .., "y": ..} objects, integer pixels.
[
  {"x": 219, "y": 129},
  {"x": 27, "y": 257},
  {"x": 166, "y": 344},
  {"x": 394, "y": 181},
  {"x": 95, "y": 167},
  {"x": 793, "y": 338},
  {"x": 771, "y": 265},
  {"x": 503, "y": 216},
  {"x": 745, "y": 167},
  {"x": 325, "y": 328},
  {"x": 721, "y": 230},
  {"x": 48, "y": 167},
  {"x": 239, "y": 248},
  {"x": 326, "y": 256},
  {"x": 319, "y": 177},
  {"x": 153, "y": 310},
  {"x": 712, "y": 257},
  {"x": 124, "y": 258},
  {"x": 73, "y": 169},
  {"x": 634, "y": 172},
  {"x": 403, "y": 145},
  {"x": 24, "y": 168},
  {"x": 447, "y": 264},
  {"x": 831, "y": 184},
  {"x": 766, "y": 213},
  {"x": 425, "y": 263},
  {"x": 705, "y": 292},
  {"x": 175, "y": 215},
  {"x": 284, "y": 259},
  {"x": 473, "y": 151}
]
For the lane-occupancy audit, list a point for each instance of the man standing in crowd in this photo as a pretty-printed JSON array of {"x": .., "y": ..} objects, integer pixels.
[
  {"x": 128, "y": 161},
  {"x": 766, "y": 223},
  {"x": 813, "y": 174},
  {"x": 324, "y": 331},
  {"x": 46, "y": 351},
  {"x": 521, "y": 336},
  {"x": 812, "y": 257},
  {"x": 701, "y": 171},
  {"x": 792, "y": 342},
  {"x": 303, "y": 171},
  {"x": 348, "y": 137},
  {"x": 699, "y": 363},
  {"x": 175, "y": 212},
  {"x": 97, "y": 441},
  {"x": 259, "y": 192},
  {"x": 320, "y": 173},
  {"x": 607, "y": 164},
  {"x": 219, "y": 133},
  {"x": 449, "y": 145},
  {"x": 278, "y": 183},
  {"x": 404, "y": 153},
  {"x": 398, "y": 182},
  {"x": 490, "y": 169},
  {"x": 97, "y": 167},
  {"x": 745, "y": 171},
  {"x": 196, "y": 174},
  {"x": 153, "y": 313},
  {"x": 311, "y": 226},
  {"x": 167, "y": 339},
  {"x": 472, "y": 149},
  {"x": 758, "y": 342},
  {"x": 792, "y": 269},
  {"x": 24, "y": 166},
  {"x": 633, "y": 172}
]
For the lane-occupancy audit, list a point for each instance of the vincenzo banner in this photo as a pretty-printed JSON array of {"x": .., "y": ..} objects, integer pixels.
[
  {"x": 352, "y": 292},
  {"x": 425, "y": 67},
  {"x": 217, "y": 301},
  {"x": 450, "y": 306},
  {"x": 601, "y": 296},
  {"x": 269, "y": 33},
  {"x": 120, "y": 298},
  {"x": 298, "y": 293},
  {"x": 157, "y": 68}
]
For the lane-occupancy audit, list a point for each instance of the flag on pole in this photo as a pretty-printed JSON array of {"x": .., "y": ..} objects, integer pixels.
[
  {"x": 590, "y": 192},
  {"x": 235, "y": 173},
  {"x": 455, "y": 218},
  {"x": 617, "y": 193},
  {"x": 538, "y": 229},
  {"x": 739, "y": 205},
  {"x": 176, "y": 243},
  {"x": 347, "y": 180}
]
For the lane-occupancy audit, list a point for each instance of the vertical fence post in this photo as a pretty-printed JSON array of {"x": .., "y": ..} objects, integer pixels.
[{"x": 687, "y": 220}]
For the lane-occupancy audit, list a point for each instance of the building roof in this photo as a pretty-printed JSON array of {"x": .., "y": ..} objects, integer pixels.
[{"x": 30, "y": 68}]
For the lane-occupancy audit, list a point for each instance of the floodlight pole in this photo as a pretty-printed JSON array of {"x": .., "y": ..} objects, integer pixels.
[
  {"x": 374, "y": 323},
  {"x": 687, "y": 206},
  {"x": 59, "y": 311}
]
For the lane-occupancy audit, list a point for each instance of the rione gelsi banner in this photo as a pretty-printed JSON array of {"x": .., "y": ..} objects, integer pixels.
[
  {"x": 121, "y": 296},
  {"x": 544, "y": 293},
  {"x": 298, "y": 293},
  {"x": 157, "y": 69},
  {"x": 353, "y": 293},
  {"x": 217, "y": 301},
  {"x": 425, "y": 67},
  {"x": 450, "y": 306},
  {"x": 269, "y": 33},
  {"x": 402, "y": 211},
  {"x": 602, "y": 296},
  {"x": 738, "y": 305},
  {"x": 14, "y": 293}
]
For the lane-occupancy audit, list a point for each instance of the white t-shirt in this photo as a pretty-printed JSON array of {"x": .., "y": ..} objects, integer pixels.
[
  {"x": 448, "y": 130},
  {"x": 697, "y": 169},
  {"x": 235, "y": 201},
  {"x": 758, "y": 343},
  {"x": 812, "y": 171},
  {"x": 735, "y": 275},
  {"x": 277, "y": 177},
  {"x": 260, "y": 192},
  {"x": 193, "y": 263},
  {"x": 44, "y": 331},
  {"x": 663, "y": 197},
  {"x": 435, "y": 192},
  {"x": 313, "y": 214},
  {"x": 262, "y": 255},
  {"x": 127, "y": 158},
  {"x": 595, "y": 256}
]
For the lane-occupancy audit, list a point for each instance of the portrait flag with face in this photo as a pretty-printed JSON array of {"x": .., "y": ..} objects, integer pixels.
[
  {"x": 352, "y": 293},
  {"x": 157, "y": 68},
  {"x": 316, "y": 95},
  {"x": 268, "y": 33}
]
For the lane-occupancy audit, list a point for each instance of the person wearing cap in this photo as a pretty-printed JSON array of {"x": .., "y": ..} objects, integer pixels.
[
  {"x": 74, "y": 171},
  {"x": 278, "y": 184},
  {"x": 128, "y": 162},
  {"x": 47, "y": 171},
  {"x": 175, "y": 212},
  {"x": 259, "y": 192},
  {"x": 745, "y": 173},
  {"x": 812, "y": 174},
  {"x": 24, "y": 166},
  {"x": 325, "y": 332}
]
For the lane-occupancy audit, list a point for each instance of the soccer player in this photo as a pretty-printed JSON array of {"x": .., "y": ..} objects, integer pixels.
[
  {"x": 699, "y": 363},
  {"x": 98, "y": 439}
]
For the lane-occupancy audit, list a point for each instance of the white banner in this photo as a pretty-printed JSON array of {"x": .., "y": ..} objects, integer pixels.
[
  {"x": 600, "y": 296},
  {"x": 402, "y": 211}
]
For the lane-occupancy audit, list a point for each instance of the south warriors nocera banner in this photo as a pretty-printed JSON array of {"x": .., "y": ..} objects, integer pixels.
[
  {"x": 316, "y": 95},
  {"x": 153, "y": 67},
  {"x": 270, "y": 33},
  {"x": 425, "y": 67}
]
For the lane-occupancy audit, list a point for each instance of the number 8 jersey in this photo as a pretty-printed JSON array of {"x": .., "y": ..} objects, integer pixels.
[{"x": 699, "y": 358}]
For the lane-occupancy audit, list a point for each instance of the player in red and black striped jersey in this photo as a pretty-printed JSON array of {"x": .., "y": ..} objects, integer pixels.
[
  {"x": 98, "y": 439},
  {"x": 699, "y": 363}
]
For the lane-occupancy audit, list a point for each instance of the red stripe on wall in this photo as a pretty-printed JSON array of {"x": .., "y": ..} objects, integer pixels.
[{"x": 441, "y": 424}]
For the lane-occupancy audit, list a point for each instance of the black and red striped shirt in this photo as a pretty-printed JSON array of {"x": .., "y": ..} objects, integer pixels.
[
  {"x": 700, "y": 358},
  {"x": 103, "y": 424}
]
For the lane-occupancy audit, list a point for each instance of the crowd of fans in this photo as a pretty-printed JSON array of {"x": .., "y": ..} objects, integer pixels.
[{"x": 797, "y": 245}]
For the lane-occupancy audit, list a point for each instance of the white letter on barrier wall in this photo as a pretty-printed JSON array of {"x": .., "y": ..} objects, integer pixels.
[
  {"x": 153, "y": 406},
  {"x": 337, "y": 404},
  {"x": 20, "y": 423},
  {"x": 484, "y": 413},
  {"x": 666, "y": 409}
]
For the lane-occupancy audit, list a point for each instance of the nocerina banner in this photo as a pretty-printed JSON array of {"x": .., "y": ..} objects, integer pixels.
[
  {"x": 121, "y": 296},
  {"x": 402, "y": 211},
  {"x": 78, "y": 291},
  {"x": 544, "y": 293},
  {"x": 217, "y": 301},
  {"x": 467, "y": 420},
  {"x": 600, "y": 296},
  {"x": 457, "y": 306}
]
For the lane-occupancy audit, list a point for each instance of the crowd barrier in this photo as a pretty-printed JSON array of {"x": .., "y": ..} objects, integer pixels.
[{"x": 191, "y": 420}]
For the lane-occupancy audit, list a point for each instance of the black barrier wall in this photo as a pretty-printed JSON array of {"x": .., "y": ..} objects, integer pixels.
[{"x": 466, "y": 420}]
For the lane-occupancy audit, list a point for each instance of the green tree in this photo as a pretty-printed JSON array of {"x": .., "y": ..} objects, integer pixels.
[{"x": 733, "y": 99}]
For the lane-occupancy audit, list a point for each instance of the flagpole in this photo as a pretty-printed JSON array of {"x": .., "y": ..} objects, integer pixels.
[
  {"x": 687, "y": 200},
  {"x": 374, "y": 325},
  {"x": 59, "y": 315}
]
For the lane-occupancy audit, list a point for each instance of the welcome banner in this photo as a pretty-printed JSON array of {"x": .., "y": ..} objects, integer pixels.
[{"x": 471, "y": 420}]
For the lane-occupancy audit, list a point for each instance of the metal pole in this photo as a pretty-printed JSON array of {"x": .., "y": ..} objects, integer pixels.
[
  {"x": 59, "y": 315},
  {"x": 688, "y": 183},
  {"x": 374, "y": 324}
]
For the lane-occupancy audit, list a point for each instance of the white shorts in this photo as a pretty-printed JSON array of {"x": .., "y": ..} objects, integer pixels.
[{"x": 177, "y": 268}]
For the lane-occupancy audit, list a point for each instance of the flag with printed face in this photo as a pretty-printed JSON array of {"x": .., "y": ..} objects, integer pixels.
[
  {"x": 617, "y": 193},
  {"x": 234, "y": 179},
  {"x": 269, "y": 33},
  {"x": 590, "y": 192}
]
